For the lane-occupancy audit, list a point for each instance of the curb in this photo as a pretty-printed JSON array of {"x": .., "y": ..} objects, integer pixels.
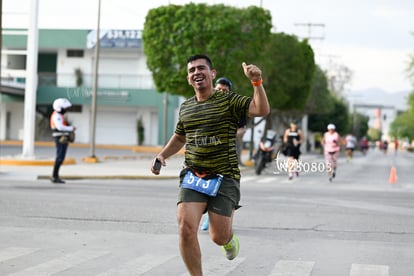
[
  {"x": 132, "y": 148},
  {"x": 77, "y": 145},
  {"x": 109, "y": 177},
  {"x": 28, "y": 162},
  {"x": 16, "y": 161}
]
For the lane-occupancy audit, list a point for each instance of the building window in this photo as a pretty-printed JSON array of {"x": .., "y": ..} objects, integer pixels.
[
  {"x": 74, "y": 53},
  {"x": 75, "y": 109}
]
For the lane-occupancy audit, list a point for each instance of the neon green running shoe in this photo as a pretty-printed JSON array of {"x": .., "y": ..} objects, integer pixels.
[{"x": 231, "y": 249}]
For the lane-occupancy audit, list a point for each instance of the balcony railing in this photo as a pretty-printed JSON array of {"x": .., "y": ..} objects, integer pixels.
[
  {"x": 13, "y": 82},
  {"x": 106, "y": 81}
]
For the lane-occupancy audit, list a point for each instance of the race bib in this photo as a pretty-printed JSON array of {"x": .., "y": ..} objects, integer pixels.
[{"x": 206, "y": 186}]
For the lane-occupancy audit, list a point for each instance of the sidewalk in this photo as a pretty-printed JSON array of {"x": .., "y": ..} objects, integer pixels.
[
  {"x": 106, "y": 169},
  {"x": 114, "y": 163}
]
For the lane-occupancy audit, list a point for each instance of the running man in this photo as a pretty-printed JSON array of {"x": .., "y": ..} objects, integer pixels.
[
  {"x": 207, "y": 127},
  {"x": 331, "y": 142}
]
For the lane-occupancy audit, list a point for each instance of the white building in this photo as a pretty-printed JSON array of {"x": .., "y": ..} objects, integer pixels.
[{"x": 66, "y": 61}]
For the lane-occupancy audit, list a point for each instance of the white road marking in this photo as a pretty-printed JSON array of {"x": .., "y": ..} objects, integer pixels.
[
  {"x": 292, "y": 268},
  {"x": 369, "y": 270},
  {"x": 14, "y": 252},
  {"x": 139, "y": 265},
  {"x": 60, "y": 264}
]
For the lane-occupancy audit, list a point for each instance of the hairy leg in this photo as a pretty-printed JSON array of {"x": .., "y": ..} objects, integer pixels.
[
  {"x": 189, "y": 216},
  {"x": 221, "y": 230}
]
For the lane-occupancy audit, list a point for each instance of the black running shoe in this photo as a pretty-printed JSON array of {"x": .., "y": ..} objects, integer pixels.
[{"x": 57, "y": 181}]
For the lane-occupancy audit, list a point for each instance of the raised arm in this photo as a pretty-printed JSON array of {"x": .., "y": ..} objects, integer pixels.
[{"x": 259, "y": 106}]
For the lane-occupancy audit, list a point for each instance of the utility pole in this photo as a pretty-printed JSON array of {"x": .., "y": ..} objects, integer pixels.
[
  {"x": 309, "y": 36},
  {"x": 1, "y": 35},
  {"x": 31, "y": 83},
  {"x": 92, "y": 156},
  {"x": 165, "y": 126},
  {"x": 310, "y": 25}
]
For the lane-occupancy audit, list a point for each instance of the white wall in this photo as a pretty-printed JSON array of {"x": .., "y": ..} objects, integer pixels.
[
  {"x": 122, "y": 68},
  {"x": 150, "y": 121},
  {"x": 3, "y": 115},
  {"x": 125, "y": 65},
  {"x": 16, "y": 120},
  {"x": 66, "y": 67},
  {"x": 116, "y": 125},
  {"x": 257, "y": 133}
]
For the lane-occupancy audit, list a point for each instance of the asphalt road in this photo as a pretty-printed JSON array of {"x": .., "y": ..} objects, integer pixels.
[{"x": 359, "y": 224}]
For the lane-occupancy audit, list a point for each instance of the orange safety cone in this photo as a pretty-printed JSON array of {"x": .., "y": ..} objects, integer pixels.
[{"x": 393, "y": 175}]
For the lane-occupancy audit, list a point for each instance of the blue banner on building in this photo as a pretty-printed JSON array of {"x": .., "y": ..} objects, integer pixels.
[{"x": 115, "y": 39}]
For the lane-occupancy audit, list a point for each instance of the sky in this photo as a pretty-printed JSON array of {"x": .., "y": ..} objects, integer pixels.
[{"x": 373, "y": 38}]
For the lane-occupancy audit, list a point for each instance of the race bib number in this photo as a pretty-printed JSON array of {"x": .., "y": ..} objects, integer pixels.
[{"x": 206, "y": 186}]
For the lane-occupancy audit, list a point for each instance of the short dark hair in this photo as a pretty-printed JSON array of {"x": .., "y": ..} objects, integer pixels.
[
  {"x": 201, "y": 56},
  {"x": 225, "y": 81}
]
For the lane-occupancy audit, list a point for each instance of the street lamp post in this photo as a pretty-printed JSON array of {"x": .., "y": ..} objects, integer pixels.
[
  {"x": 31, "y": 83},
  {"x": 94, "y": 90}
]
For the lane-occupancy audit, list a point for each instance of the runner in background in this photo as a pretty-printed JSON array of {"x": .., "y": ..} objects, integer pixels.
[
  {"x": 331, "y": 142},
  {"x": 350, "y": 144},
  {"x": 395, "y": 145},
  {"x": 364, "y": 145},
  {"x": 293, "y": 138}
]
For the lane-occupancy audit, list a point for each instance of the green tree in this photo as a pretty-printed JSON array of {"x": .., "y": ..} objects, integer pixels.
[
  {"x": 320, "y": 100},
  {"x": 359, "y": 124},
  {"x": 289, "y": 67},
  {"x": 339, "y": 116},
  {"x": 374, "y": 134},
  {"x": 228, "y": 35},
  {"x": 324, "y": 107},
  {"x": 403, "y": 125}
]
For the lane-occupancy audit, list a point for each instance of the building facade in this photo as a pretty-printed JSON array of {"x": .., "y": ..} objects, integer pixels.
[{"x": 126, "y": 96}]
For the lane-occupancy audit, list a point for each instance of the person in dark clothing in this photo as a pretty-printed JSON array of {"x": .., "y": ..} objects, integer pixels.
[
  {"x": 62, "y": 134},
  {"x": 293, "y": 138}
]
